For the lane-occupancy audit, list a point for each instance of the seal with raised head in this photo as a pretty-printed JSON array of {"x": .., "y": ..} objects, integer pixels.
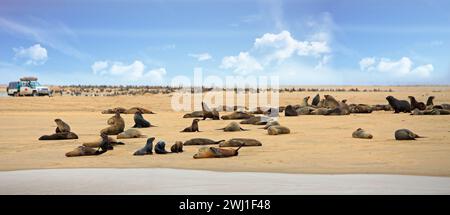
[
  {"x": 140, "y": 122},
  {"x": 236, "y": 142},
  {"x": 195, "y": 114},
  {"x": 330, "y": 102},
  {"x": 278, "y": 129},
  {"x": 207, "y": 113},
  {"x": 193, "y": 127},
  {"x": 405, "y": 134},
  {"x": 399, "y": 105},
  {"x": 237, "y": 115},
  {"x": 290, "y": 111},
  {"x": 147, "y": 149},
  {"x": 415, "y": 104},
  {"x": 61, "y": 126},
  {"x": 305, "y": 102},
  {"x": 130, "y": 133},
  {"x": 316, "y": 100},
  {"x": 177, "y": 147},
  {"x": 361, "y": 133},
  {"x": 117, "y": 125},
  {"x": 430, "y": 101},
  {"x": 201, "y": 141},
  {"x": 233, "y": 126},
  {"x": 160, "y": 147},
  {"x": 59, "y": 136},
  {"x": 213, "y": 152}
]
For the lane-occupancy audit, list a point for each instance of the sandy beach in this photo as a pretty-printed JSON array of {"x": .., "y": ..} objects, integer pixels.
[{"x": 317, "y": 144}]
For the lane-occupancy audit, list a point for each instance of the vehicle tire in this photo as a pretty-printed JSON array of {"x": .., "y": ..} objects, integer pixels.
[
  {"x": 34, "y": 94},
  {"x": 15, "y": 94}
]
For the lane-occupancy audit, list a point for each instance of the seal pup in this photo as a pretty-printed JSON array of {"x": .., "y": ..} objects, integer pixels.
[
  {"x": 233, "y": 126},
  {"x": 195, "y": 114},
  {"x": 193, "y": 127},
  {"x": 399, "y": 105},
  {"x": 61, "y": 126},
  {"x": 415, "y": 104},
  {"x": 236, "y": 142},
  {"x": 160, "y": 147},
  {"x": 201, "y": 141},
  {"x": 177, "y": 147},
  {"x": 405, "y": 134},
  {"x": 213, "y": 152},
  {"x": 59, "y": 136},
  {"x": 207, "y": 113},
  {"x": 278, "y": 129},
  {"x": 361, "y": 133},
  {"x": 290, "y": 111},
  {"x": 237, "y": 115},
  {"x": 316, "y": 100},
  {"x": 130, "y": 133},
  {"x": 147, "y": 149},
  {"x": 117, "y": 125},
  {"x": 140, "y": 122}
]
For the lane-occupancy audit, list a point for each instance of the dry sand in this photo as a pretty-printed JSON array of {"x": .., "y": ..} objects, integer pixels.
[{"x": 317, "y": 144}]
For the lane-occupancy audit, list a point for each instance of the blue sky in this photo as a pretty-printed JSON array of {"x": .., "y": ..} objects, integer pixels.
[{"x": 150, "y": 42}]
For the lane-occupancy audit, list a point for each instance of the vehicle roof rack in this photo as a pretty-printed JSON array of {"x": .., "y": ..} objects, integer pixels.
[{"x": 28, "y": 79}]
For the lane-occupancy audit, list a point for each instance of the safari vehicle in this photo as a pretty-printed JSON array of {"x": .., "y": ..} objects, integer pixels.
[{"x": 27, "y": 86}]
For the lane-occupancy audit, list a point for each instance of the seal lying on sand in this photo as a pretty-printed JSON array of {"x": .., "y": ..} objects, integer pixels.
[
  {"x": 201, "y": 141},
  {"x": 237, "y": 115},
  {"x": 330, "y": 102},
  {"x": 304, "y": 110},
  {"x": 117, "y": 125},
  {"x": 61, "y": 126},
  {"x": 360, "y": 108},
  {"x": 278, "y": 129},
  {"x": 361, "y": 133},
  {"x": 399, "y": 105},
  {"x": 433, "y": 111},
  {"x": 233, "y": 126},
  {"x": 380, "y": 107},
  {"x": 207, "y": 113},
  {"x": 212, "y": 152},
  {"x": 271, "y": 123},
  {"x": 193, "y": 127},
  {"x": 140, "y": 122},
  {"x": 315, "y": 100},
  {"x": 415, "y": 104},
  {"x": 195, "y": 114},
  {"x": 130, "y": 133},
  {"x": 88, "y": 151},
  {"x": 147, "y": 149},
  {"x": 59, "y": 136},
  {"x": 114, "y": 110},
  {"x": 160, "y": 147},
  {"x": 405, "y": 134},
  {"x": 177, "y": 147},
  {"x": 290, "y": 111},
  {"x": 236, "y": 142},
  {"x": 256, "y": 120},
  {"x": 98, "y": 143},
  {"x": 133, "y": 110}
]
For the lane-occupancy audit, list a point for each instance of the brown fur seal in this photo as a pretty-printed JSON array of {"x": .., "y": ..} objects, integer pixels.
[
  {"x": 207, "y": 113},
  {"x": 399, "y": 105},
  {"x": 405, "y": 134},
  {"x": 140, "y": 122},
  {"x": 59, "y": 136},
  {"x": 177, "y": 147},
  {"x": 256, "y": 120},
  {"x": 61, "y": 126},
  {"x": 290, "y": 111},
  {"x": 117, "y": 125},
  {"x": 193, "y": 127},
  {"x": 147, "y": 149},
  {"x": 305, "y": 102},
  {"x": 114, "y": 110},
  {"x": 160, "y": 147},
  {"x": 278, "y": 129},
  {"x": 433, "y": 111},
  {"x": 212, "y": 152},
  {"x": 195, "y": 114},
  {"x": 360, "y": 108},
  {"x": 316, "y": 100},
  {"x": 430, "y": 101},
  {"x": 236, "y": 142},
  {"x": 233, "y": 126},
  {"x": 130, "y": 133},
  {"x": 82, "y": 151},
  {"x": 361, "y": 133},
  {"x": 271, "y": 123},
  {"x": 97, "y": 143},
  {"x": 133, "y": 110},
  {"x": 237, "y": 115},
  {"x": 201, "y": 141},
  {"x": 330, "y": 102},
  {"x": 320, "y": 111},
  {"x": 380, "y": 107},
  {"x": 415, "y": 104},
  {"x": 304, "y": 110}
]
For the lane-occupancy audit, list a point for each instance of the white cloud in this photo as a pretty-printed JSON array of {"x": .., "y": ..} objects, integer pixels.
[
  {"x": 282, "y": 46},
  {"x": 131, "y": 72},
  {"x": 401, "y": 67},
  {"x": 35, "y": 54},
  {"x": 242, "y": 64},
  {"x": 201, "y": 56}
]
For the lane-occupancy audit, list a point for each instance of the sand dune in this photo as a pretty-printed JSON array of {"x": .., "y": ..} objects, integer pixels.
[{"x": 318, "y": 144}]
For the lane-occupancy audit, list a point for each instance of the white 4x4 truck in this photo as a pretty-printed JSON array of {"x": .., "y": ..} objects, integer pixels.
[{"x": 27, "y": 86}]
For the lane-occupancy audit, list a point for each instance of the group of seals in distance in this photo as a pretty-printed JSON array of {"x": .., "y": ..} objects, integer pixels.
[{"x": 132, "y": 110}]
